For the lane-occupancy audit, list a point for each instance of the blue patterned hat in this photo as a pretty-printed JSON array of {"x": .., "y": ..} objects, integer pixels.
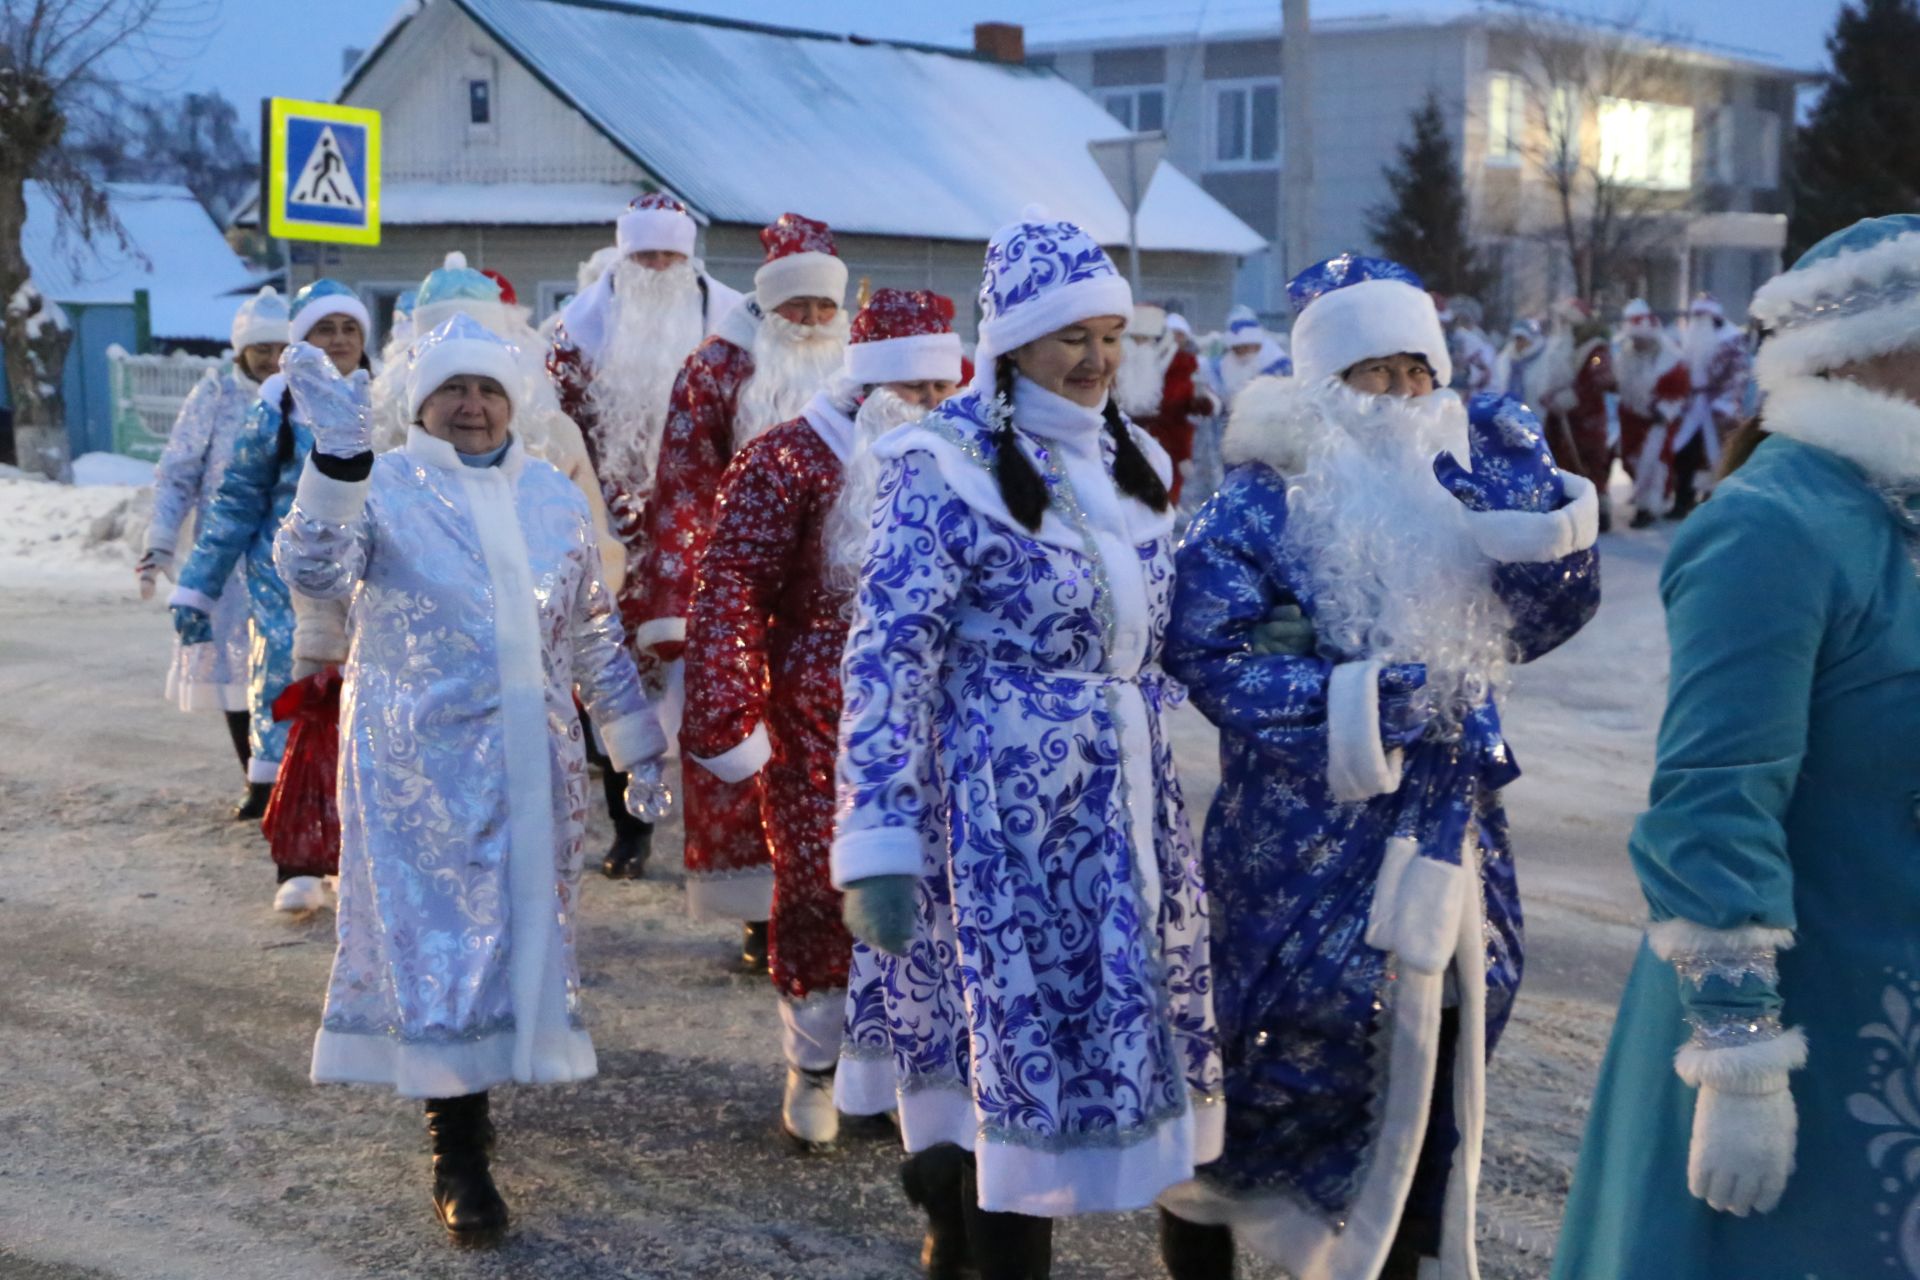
[
  {"x": 1853, "y": 296},
  {"x": 453, "y": 287},
  {"x": 1352, "y": 308},
  {"x": 323, "y": 298},
  {"x": 1041, "y": 276}
]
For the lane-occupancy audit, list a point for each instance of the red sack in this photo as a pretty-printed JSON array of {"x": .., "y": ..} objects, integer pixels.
[{"x": 302, "y": 825}]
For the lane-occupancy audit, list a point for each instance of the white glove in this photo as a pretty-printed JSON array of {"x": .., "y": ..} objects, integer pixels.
[
  {"x": 151, "y": 566},
  {"x": 648, "y": 797},
  {"x": 1743, "y": 1146},
  {"x": 340, "y": 410}
]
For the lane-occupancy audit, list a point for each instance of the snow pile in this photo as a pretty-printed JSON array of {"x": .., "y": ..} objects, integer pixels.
[
  {"x": 111, "y": 469},
  {"x": 82, "y": 535}
]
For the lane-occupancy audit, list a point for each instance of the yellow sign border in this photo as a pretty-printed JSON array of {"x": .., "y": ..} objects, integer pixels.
[{"x": 281, "y": 227}]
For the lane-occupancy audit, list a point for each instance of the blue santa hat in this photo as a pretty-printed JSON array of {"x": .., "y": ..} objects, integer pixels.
[
  {"x": 453, "y": 287},
  {"x": 323, "y": 298},
  {"x": 1853, "y": 296},
  {"x": 461, "y": 345},
  {"x": 1040, "y": 276},
  {"x": 1244, "y": 327},
  {"x": 1352, "y": 308},
  {"x": 261, "y": 318}
]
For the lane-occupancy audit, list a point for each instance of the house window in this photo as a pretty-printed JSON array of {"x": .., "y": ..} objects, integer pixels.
[
  {"x": 1646, "y": 144},
  {"x": 1563, "y": 126},
  {"x": 1506, "y": 117},
  {"x": 1246, "y": 124},
  {"x": 1766, "y": 173},
  {"x": 479, "y": 102},
  {"x": 1141, "y": 110},
  {"x": 1721, "y": 141}
]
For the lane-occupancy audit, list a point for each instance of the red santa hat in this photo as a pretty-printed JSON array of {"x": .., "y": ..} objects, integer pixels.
[
  {"x": 904, "y": 335},
  {"x": 507, "y": 295},
  {"x": 655, "y": 222},
  {"x": 802, "y": 262},
  {"x": 1638, "y": 315}
]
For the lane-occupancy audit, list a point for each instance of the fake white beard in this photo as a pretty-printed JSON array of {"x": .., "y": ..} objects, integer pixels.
[
  {"x": 1395, "y": 574},
  {"x": 653, "y": 328},
  {"x": 1237, "y": 371},
  {"x": 790, "y": 362},
  {"x": 1638, "y": 370},
  {"x": 848, "y": 527},
  {"x": 1704, "y": 339},
  {"x": 1141, "y": 380}
]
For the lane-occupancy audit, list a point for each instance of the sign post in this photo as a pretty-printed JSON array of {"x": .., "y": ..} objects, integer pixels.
[
  {"x": 1128, "y": 164},
  {"x": 322, "y": 175}
]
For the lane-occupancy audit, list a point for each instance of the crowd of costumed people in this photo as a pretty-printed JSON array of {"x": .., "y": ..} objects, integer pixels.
[{"x": 897, "y": 624}]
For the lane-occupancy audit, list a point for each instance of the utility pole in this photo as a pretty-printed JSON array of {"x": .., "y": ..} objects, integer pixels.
[{"x": 1296, "y": 178}]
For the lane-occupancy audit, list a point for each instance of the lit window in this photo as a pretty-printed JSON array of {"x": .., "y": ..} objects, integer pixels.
[
  {"x": 1246, "y": 124},
  {"x": 1563, "y": 127},
  {"x": 1506, "y": 117},
  {"x": 1646, "y": 144},
  {"x": 1141, "y": 110},
  {"x": 479, "y": 102}
]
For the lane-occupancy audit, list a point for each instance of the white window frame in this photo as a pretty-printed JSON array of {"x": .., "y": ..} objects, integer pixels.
[
  {"x": 1666, "y": 143},
  {"x": 1216, "y": 89},
  {"x": 1767, "y": 141},
  {"x": 552, "y": 295},
  {"x": 481, "y": 66},
  {"x": 1132, "y": 93},
  {"x": 1506, "y": 119}
]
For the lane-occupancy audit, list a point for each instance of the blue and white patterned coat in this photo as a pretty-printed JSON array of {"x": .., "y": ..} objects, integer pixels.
[
  {"x": 237, "y": 533},
  {"x": 477, "y": 610},
  {"x": 1336, "y": 918},
  {"x": 211, "y": 677},
  {"x": 1003, "y": 740}
]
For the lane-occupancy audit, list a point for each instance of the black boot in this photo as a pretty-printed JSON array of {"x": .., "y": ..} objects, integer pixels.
[
  {"x": 753, "y": 948},
  {"x": 632, "y": 838},
  {"x": 1193, "y": 1251},
  {"x": 464, "y": 1197},
  {"x": 1005, "y": 1246},
  {"x": 237, "y": 725},
  {"x": 932, "y": 1179},
  {"x": 254, "y": 807}
]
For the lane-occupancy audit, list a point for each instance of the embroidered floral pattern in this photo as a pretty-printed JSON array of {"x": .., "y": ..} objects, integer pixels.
[{"x": 1891, "y": 1104}]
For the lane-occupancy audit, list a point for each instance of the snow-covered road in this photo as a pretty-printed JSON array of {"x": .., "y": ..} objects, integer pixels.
[{"x": 155, "y": 1016}]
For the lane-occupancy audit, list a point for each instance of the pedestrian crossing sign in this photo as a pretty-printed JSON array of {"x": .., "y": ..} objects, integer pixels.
[{"x": 323, "y": 172}]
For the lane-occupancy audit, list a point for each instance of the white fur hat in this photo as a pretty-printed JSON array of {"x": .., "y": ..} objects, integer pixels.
[
  {"x": 655, "y": 221},
  {"x": 1352, "y": 308},
  {"x": 1149, "y": 321},
  {"x": 1042, "y": 276},
  {"x": 802, "y": 262},
  {"x": 1853, "y": 296},
  {"x": 904, "y": 335},
  {"x": 261, "y": 318},
  {"x": 462, "y": 345}
]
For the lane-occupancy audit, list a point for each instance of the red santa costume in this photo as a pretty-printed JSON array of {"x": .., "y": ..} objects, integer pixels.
[
  {"x": 1158, "y": 386},
  {"x": 758, "y": 370},
  {"x": 1653, "y": 395},
  {"x": 1577, "y": 378},
  {"x": 1718, "y": 366},
  {"x": 767, "y": 625}
]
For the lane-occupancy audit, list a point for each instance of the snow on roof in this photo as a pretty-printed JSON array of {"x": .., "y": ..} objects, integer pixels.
[
  {"x": 188, "y": 269},
  {"x": 554, "y": 204},
  {"x": 746, "y": 122}
]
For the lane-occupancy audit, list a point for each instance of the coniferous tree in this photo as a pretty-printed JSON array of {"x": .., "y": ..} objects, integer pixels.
[
  {"x": 1424, "y": 225},
  {"x": 1858, "y": 155}
]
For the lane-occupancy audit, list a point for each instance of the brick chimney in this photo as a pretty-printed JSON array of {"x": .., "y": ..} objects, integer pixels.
[{"x": 1001, "y": 41}]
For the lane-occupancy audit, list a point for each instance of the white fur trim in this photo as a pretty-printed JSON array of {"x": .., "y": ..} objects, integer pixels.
[
  {"x": 1760, "y": 1067},
  {"x": 321, "y": 497},
  {"x": 1671, "y": 938},
  {"x": 184, "y": 595},
  {"x": 639, "y": 230},
  {"x": 874, "y": 851},
  {"x": 250, "y": 330},
  {"x": 1048, "y": 311},
  {"x": 800, "y": 275},
  {"x": 743, "y": 896},
  {"x": 319, "y": 633},
  {"x": 260, "y": 769},
  {"x": 740, "y": 322},
  {"x": 1359, "y": 767},
  {"x": 1539, "y": 537},
  {"x": 834, "y": 428},
  {"x": 659, "y": 631},
  {"x": 742, "y": 761},
  {"x": 1836, "y": 276},
  {"x": 918, "y": 357},
  {"x": 447, "y": 1070},
  {"x": 1878, "y": 432},
  {"x": 334, "y": 304},
  {"x": 1366, "y": 321},
  {"x": 474, "y": 357},
  {"x": 632, "y": 739},
  {"x": 1828, "y": 344},
  {"x": 1417, "y": 904}
]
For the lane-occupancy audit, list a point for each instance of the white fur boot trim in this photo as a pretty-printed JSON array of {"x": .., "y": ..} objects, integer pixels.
[
  {"x": 807, "y": 1110},
  {"x": 1759, "y": 1067},
  {"x": 302, "y": 893}
]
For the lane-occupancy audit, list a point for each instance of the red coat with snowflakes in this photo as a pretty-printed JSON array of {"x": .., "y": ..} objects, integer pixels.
[
  {"x": 1180, "y": 400},
  {"x": 764, "y": 640},
  {"x": 1647, "y": 403}
]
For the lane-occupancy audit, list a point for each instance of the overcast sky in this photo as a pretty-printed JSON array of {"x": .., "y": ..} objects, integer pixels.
[{"x": 292, "y": 48}]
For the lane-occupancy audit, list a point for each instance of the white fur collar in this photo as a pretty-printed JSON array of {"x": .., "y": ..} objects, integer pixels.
[
  {"x": 1877, "y": 432},
  {"x": 431, "y": 451},
  {"x": 834, "y": 428},
  {"x": 740, "y": 325}
]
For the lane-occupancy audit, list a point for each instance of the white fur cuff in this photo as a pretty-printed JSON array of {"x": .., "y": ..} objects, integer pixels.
[
  {"x": 184, "y": 595},
  {"x": 330, "y": 501},
  {"x": 660, "y": 631},
  {"x": 266, "y": 771},
  {"x": 1759, "y": 1067},
  {"x": 1540, "y": 537},
  {"x": 1417, "y": 907},
  {"x": 875, "y": 851},
  {"x": 738, "y": 763},
  {"x": 1359, "y": 767},
  {"x": 632, "y": 739},
  {"x": 1671, "y": 938}
]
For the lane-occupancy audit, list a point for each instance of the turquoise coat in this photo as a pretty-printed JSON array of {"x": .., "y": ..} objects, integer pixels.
[{"x": 1787, "y": 794}]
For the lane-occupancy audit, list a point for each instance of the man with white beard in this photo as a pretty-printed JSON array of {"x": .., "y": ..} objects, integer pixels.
[
  {"x": 1359, "y": 881},
  {"x": 1158, "y": 387},
  {"x": 1251, "y": 352},
  {"x": 1718, "y": 366},
  {"x": 771, "y": 607},
  {"x": 1654, "y": 389},
  {"x": 616, "y": 349},
  {"x": 759, "y": 369}
]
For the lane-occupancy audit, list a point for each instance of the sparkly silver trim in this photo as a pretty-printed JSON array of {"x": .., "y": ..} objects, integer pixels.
[
  {"x": 502, "y": 1025},
  {"x": 1735, "y": 968},
  {"x": 1895, "y": 291},
  {"x": 1731, "y": 1030}
]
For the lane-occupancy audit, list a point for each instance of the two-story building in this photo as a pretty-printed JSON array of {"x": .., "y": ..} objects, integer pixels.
[{"x": 1688, "y": 141}]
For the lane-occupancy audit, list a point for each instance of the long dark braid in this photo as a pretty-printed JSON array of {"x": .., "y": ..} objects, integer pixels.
[
  {"x": 1021, "y": 487},
  {"x": 1132, "y": 473}
]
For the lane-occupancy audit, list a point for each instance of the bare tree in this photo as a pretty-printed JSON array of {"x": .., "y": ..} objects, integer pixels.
[
  {"x": 62, "y": 63},
  {"x": 1581, "y": 79}
]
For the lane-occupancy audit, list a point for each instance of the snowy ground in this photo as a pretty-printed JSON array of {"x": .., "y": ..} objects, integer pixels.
[{"x": 155, "y": 1016}]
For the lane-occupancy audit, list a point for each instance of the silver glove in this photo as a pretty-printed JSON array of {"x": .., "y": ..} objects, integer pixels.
[
  {"x": 339, "y": 410},
  {"x": 648, "y": 797}
]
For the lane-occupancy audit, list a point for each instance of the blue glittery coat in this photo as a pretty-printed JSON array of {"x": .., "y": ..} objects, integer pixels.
[
  {"x": 1003, "y": 739},
  {"x": 1328, "y": 993},
  {"x": 237, "y": 530}
]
